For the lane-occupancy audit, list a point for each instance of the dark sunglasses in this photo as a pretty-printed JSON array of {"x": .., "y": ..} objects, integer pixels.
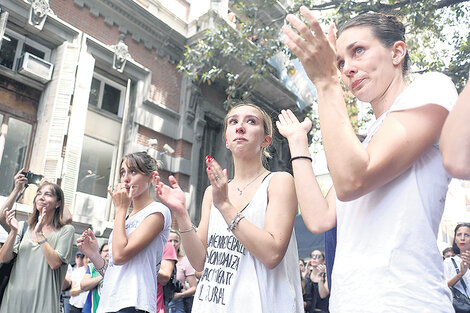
[
  {"x": 316, "y": 256},
  {"x": 81, "y": 256}
]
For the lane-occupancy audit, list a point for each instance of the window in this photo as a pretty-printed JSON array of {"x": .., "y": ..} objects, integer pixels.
[
  {"x": 95, "y": 167},
  {"x": 107, "y": 95},
  {"x": 15, "y": 45},
  {"x": 14, "y": 145}
]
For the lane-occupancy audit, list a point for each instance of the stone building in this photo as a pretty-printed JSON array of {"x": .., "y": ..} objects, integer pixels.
[{"x": 83, "y": 82}]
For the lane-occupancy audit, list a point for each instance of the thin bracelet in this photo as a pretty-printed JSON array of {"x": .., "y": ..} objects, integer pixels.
[
  {"x": 301, "y": 157},
  {"x": 235, "y": 221},
  {"x": 42, "y": 241},
  {"x": 188, "y": 230}
]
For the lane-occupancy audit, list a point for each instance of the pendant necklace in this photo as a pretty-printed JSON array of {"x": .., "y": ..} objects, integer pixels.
[{"x": 241, "y": 190}]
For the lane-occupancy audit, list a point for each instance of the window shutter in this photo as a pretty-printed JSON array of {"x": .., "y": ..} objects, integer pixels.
[
  {"x": 77, "y": 125},
  {"x": 58, "y": 101}
]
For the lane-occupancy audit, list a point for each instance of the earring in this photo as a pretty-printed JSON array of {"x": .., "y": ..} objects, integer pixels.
[{"x": 395, "y": 61}]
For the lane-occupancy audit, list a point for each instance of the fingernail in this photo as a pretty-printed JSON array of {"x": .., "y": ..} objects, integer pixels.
[{"x": 209, "y": 168}]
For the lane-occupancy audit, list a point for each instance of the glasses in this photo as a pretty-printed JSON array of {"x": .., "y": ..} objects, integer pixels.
[
  {"x": 316, "y": 256},
  {"x": 80, "y": 256}
]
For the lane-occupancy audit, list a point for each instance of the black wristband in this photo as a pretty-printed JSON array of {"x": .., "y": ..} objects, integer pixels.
[{"x": 301, "y": 157}]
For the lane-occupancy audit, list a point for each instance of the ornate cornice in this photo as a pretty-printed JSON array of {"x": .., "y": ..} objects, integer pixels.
[{"x": 140, "y": 24}]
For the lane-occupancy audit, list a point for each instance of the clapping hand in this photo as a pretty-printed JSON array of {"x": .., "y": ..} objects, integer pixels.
[
  {"x": 88, "y": 244},
  {"x": 219, "y": 182},
  {"x": 290, "y": 127},
  {"x": 172, "y": 196},
  {"x": 11, "y": 219}
]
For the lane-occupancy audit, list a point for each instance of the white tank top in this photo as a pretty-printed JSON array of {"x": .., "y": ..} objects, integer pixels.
[{"x": 233, "y": 280}]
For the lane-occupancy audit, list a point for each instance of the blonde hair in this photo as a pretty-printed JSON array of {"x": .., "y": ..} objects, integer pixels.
[
  {"x": 267, "y": 123},
  {"x": 178, "y": 252}
]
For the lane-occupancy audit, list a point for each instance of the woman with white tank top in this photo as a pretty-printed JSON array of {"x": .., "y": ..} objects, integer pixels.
[{"x": 245, "y": 245}]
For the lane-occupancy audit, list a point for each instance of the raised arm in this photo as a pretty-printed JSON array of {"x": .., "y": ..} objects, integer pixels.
[
  {"x": 269, "y": 244},
  {"x": 51, "y": 255},
  {"x": 318, "y": 213},
  {"x": 455, "y": 137},
  {"x": 193, "y": 241},
  {"x": 19, "y": 182},
  {"x": 6, "y": 251},
  {"x": 402, "y": 137},
  {"x": 125, "y": 248}
]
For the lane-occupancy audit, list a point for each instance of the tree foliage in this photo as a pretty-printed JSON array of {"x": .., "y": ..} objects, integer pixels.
[{"x": 438, "y": 36}]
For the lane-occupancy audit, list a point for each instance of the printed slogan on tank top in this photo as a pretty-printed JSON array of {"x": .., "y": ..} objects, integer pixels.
[{"x": 222, "y": 261}]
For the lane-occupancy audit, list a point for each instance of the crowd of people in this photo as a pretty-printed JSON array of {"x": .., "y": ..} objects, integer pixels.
[{"x": 384, "y": 207}]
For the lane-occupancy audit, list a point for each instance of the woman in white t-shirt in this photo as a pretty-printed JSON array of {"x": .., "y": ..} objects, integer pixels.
[
  {"x": 136, "y": 242},
  {"x": 459, "y": 278},
  {"x": 388, "y": 191},
  {"x": 245, "y": 245}
]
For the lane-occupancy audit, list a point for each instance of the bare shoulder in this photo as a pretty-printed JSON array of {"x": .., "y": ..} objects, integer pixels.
[
  {"x": 281, "y": 183},
  {"x": 281, "y": 179}
]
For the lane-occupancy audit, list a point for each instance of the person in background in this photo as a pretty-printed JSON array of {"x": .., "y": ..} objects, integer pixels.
[
  {"x": 93, "y": 282},
  {"x": 447, "y": 253},
  {"x": 17, "y": 189},
  {"x": 65, "y": 293},
  {"x": 455, "y": 137},
  {"x": 169, "y": 260},
  {"x": 456, "y": 267},
  {"x": 42, "y": 254},
  {"x": 316, "y": 285},
  {"x": 182, "y": 302},
  {"x": 77, "y": 295}
]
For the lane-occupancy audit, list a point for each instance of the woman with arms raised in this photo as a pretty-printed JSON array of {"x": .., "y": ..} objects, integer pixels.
[
  {"x": 136, "y": 243},
  {"x": 389, "y": 191},
  {"x": 245, "y": 243},
  {"x": 43, "y": 247}
]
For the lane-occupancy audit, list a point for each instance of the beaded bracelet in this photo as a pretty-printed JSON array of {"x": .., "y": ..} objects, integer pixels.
[
  {"x": 103, "y": 267},
  {"x": 235, "y": 221},
  {"x": 301, "y": 157}
]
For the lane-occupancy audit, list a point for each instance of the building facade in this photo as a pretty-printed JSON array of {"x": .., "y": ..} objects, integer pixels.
[{"x": 83, "y": 82}]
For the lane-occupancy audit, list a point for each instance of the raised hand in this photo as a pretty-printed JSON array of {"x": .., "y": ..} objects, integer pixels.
[
  {"x": 465, "y": 256},
  {"x": 219, "y": 182},
  {"x": 88, "y": 244},
  {"x": 172, "y": 196},
  {"x": 315, "y": 51},
  {"x": 20, "y": 180},
  {"x": 121, "y": 195},
  {"x": 321, "y": 270},
  {"x": 11, "y": 219},
  {"x": 290, "y": 127},
  {"x": 40, "y": 222}
]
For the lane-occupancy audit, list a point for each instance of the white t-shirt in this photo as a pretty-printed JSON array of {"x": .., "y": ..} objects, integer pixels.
[
  {"x": 450, "y": 272},
  {"x": 235, "y": 281},
  {"x": 387, "y": 259},
  {"x": 76, "y": 277},
  {"x": 134, "y": 284}
]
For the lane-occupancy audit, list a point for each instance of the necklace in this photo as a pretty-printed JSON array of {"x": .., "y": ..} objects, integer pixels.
[{"x": 241, "y": 190}]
